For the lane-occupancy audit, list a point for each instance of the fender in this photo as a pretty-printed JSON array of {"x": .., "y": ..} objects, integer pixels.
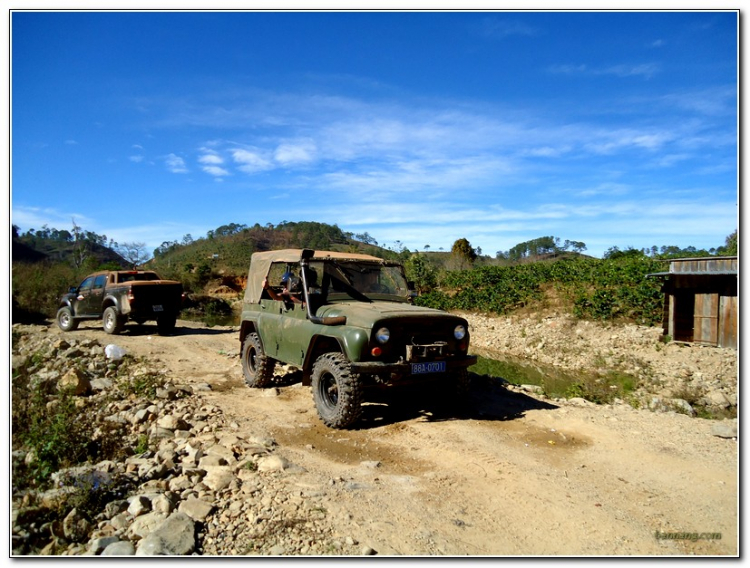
[
  {"x": 121, "y": 304},
  {"x": 65, "y": 301}
]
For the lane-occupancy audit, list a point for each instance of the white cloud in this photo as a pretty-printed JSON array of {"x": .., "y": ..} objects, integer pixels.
[
  {"x": 642, "y": 69},
  {"x": 35, "y": 217},
  {"x": 213, "y": 159},
  {"x": 289, "y": 154},
  {"x": 175, "y": 164},
  {"x": 136, "y": 159},
  {"x": 645, "y": 69},
  {"x": 251, "y": 162},
  {"x": 215, "y": 171}
]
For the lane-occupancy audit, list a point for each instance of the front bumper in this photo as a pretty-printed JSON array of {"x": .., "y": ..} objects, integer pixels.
[{"x": 401, "y": 369}]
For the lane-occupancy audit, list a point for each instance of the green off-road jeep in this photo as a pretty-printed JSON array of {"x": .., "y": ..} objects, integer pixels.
[{"x": 348, "y": 322}]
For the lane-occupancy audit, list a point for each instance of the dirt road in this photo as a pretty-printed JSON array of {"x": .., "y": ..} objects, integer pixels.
[{"x": 514, "y": 475}]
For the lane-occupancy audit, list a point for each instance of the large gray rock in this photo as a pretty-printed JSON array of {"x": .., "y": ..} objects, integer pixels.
[
  {"x": 196, "y": 509},
  {"x": 121, "y": 548},
  {"x": 140, "y": 505},
  {"x": 218, "y": 478},
  {"x": 175, "y": 536},
  {"x": 75, "y": 527},
  {"x": 145, "y": 525},
  {"x": 97, "y": 545},
  {"x": 725, "y": 429},
  {"x": 682, "y": 405}
]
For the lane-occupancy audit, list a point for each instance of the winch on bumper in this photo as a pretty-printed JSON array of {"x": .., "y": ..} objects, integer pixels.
[{"x": 430, "y": 359}]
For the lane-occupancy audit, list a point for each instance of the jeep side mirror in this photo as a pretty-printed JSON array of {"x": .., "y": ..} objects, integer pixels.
[{"x": 72, "y": 290}]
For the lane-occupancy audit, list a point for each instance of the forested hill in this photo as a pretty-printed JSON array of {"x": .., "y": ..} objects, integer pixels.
[{"x": 228, "y": 248}]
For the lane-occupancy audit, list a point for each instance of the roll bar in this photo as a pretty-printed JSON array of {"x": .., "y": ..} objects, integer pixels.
[{"x": 306, "y": 255}]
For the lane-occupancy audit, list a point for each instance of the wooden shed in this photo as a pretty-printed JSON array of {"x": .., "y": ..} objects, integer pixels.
[{"x": 701, "y": 300}]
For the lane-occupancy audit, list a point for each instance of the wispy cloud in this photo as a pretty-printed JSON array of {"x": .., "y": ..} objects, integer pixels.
[
  {"x": 296, "y": 153},
  {"x": 215, "y": 171},
  {"x": 175, "y": 164},
  {"x": 500, "y": 28},
  {"x": 36, "y": 217},
  {"x": 646, "y": 70},
  {"x": 211, "y": 158},
  {"x": 251, "y": 161}
]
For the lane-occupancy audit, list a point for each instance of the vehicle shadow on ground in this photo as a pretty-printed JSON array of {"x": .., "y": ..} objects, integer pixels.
[
  {"x": 135, "y": 330},
  {"x": 488, "y": 400}
]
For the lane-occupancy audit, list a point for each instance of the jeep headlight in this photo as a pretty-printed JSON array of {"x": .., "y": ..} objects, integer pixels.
[
  {"x": 383, "y": 335},
  {"x": 459, "y": 332}
]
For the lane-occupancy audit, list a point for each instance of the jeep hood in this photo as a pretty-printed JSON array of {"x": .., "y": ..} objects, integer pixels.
[{"x": 364, "y": 314}]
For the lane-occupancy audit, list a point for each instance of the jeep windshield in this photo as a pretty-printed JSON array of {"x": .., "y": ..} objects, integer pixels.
[{"x": 362, "y": 281}]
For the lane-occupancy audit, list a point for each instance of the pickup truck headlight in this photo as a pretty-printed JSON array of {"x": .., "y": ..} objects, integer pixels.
[
  {"x": 383, "y": 335},
  {"x": 459, "y": 332}
]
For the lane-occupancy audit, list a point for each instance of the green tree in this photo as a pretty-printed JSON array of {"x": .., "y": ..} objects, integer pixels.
[
  {"x": 730, "y": 245},
  {"x": 463, "y": 255},
  {"x": 421, "y": 272}
]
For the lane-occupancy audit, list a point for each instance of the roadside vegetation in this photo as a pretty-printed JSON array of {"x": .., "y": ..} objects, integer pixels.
[{"x": 534, "y": 275}]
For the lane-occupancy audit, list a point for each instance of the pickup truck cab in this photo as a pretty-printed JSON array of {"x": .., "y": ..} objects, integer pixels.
[{"x": 115, "y": 297}]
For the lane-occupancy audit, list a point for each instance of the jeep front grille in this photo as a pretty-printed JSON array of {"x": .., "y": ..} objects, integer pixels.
[{"x": 417, "y": 352}]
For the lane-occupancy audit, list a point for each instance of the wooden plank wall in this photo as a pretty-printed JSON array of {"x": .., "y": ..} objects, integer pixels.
[
  {"x": 728, "y": 309},
  {"x": 706, "y": 319},
  {"x": 703, "y": 265}
]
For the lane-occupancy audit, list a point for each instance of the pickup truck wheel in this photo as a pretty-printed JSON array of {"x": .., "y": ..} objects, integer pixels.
[
  {"x": 112, "y": 321},
  {"x": 337, "y": 391},
  {"x": 65, "y": 319},
  {"x": 257, "y": 367},
  {"x": 165, "y": 324}
]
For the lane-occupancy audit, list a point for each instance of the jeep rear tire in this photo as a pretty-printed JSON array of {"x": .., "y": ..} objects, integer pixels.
[
  {"x": 257, "y": 367},
  {"x": 65, "y": 319},
  {"x": 112, "y": 321},
  {"x": 337, "y": 391}
]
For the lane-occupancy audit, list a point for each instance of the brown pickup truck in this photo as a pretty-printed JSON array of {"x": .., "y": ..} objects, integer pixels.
[{"x": 115, "y": 297}]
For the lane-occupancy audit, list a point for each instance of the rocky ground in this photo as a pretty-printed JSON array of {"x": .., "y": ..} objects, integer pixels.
[
  {"x": 670, "y": 376},
  {"x": 215, "y": 468}
]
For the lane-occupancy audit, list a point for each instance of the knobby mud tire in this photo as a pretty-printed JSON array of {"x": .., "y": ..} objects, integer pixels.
[
  {"x": 65, "y": 319},
  {"x": 337, "y": 391},
  {"x": 257, "y": 367}
]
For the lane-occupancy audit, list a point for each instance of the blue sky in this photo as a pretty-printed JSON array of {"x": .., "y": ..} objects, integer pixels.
[{"x": 610, "y": 128}]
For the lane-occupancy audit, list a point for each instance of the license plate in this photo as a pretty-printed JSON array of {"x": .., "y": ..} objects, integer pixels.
[
  {"x": 158, "y": 308},
  {"x": 432, "y": 367}
]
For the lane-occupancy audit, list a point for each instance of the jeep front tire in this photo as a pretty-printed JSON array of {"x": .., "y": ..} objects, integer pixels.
[
  {"x": 337, "y": 391},
  {"x": 257, "y": 367}
]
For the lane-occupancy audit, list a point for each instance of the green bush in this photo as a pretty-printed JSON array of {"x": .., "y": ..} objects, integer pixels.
[
  {"x": 50, "y": 427},
  {"x": 597, "y": 289},
  {"x": 37, "y": 287}
]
